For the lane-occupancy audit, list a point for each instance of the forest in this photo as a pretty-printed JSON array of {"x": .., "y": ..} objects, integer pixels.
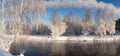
[{"x": 14, "y": 21}]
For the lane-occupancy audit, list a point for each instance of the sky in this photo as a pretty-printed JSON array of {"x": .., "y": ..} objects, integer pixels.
[{"x": 78, "y": 7}]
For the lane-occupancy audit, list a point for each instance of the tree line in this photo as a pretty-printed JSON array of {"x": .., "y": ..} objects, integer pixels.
[
  {"x": 14, "y": 20},
  {"x": 69, "y": 26}
]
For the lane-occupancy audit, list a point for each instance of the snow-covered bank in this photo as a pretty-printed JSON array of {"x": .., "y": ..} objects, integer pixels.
[
  {"x": 4, "y": 53},
  {"x": 74, "y": 38},
  {"x": 7, "y": 38},
  {"x": 5, "y": 41}
]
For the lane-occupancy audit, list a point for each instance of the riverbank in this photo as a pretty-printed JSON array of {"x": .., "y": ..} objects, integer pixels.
[{"x": 87, "y": 39}]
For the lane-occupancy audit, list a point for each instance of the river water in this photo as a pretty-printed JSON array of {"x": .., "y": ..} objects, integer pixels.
[{"x": 69, "y": 48}]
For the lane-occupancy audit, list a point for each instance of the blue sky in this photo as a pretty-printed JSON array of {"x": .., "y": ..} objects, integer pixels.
[
  {"x": 114, "y": 2},
  {"x": 78, "y": 11}
]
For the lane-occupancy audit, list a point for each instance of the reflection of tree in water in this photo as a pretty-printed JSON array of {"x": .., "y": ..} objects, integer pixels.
[
  {"x": 118, "y": 50},
  {"x": 96, "y": 49},
  {"x": 57, "y": 49},
  {"x": 71, "y": 49}
]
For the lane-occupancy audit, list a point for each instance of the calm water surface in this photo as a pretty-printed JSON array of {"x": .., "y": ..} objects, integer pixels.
[{"x": 55, "y": 48}]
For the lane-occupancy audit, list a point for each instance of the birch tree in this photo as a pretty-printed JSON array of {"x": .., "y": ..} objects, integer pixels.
[
  {"x": 112, "y": 23},
  {"x": 70, "y": 22},
  {"x": 57, "y": 26},
  {"x": 100, "y": 27},
  {"x": 19, "y": 9},
  {"x": 2, "y": 4},
  {"x": 79, "y": 23},
  {"x": 88, "y": 23},
  {"x": 106, "y": 19}
]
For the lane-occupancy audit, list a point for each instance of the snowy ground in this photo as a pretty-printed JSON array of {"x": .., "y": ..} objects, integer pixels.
[
  {"x": 78, "y": 38},
  {"x": 5, "y": 41},
  {"x": 66, "y": 38},
  {"x": 4, "y": 53},
  {"x": 63, "y": 38}
]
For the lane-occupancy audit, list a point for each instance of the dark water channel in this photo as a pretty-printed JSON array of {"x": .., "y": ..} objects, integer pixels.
[{"x": 68, "y": 49}]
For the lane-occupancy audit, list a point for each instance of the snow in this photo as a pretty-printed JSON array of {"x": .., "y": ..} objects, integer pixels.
[
  {"x": 62, "y": 38},
  {"x": 74, "y": 38},
  {"x": 5, "y": 42},
  {"x": 4, "y": 53}
]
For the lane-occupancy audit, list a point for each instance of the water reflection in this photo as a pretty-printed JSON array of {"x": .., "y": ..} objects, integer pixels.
[{"x": 68, "y": 49}]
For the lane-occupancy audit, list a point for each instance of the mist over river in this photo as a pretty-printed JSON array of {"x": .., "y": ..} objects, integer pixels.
[{"x": 69, "y": 48}]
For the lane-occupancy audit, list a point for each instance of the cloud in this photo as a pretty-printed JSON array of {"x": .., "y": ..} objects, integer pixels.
[{"x": 81, "y": 3}]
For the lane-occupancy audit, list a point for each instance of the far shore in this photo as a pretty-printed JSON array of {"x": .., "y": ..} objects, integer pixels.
[
  {"x": 87, "y": 39},
  {"x": 70, "y": 38}
]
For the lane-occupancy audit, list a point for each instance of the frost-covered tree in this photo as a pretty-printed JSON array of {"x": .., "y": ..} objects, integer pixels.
[
  {"x": 42, "y": 30},
  {"x": 105, "y": 22},
  {"x": 112, "y": 23},
  {"x": 2, "y": 15},
  {"x": 26, "y": 27},
  {"x": 100, "y": 27},
  {"x": 10, "y": 27},
  {"x": 70, "y": 22},
  {"x": 78, "y": 26},
  {"x": 88, "y": 23},
  {"x": 57, "y": 25},
  {"x": 17, "y": 10},
  {"x": 106, "y": 19}
]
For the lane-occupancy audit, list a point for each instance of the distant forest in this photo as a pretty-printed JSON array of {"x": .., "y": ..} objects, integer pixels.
[
  {"x": 69, "y": 26},
  {"x": 118, "y": 26},
  {"x": 14, "y": 21},
  {"x": 73, "y": 30}
]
